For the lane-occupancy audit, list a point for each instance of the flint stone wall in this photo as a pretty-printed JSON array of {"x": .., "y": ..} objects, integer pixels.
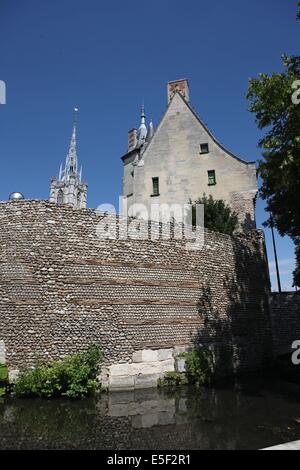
[
  {"x": 63, "y": 288},
  {"x": 285, "y": 318}
]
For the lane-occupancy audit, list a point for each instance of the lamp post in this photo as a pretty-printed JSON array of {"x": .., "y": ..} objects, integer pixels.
[{"x": 275, "y": 254}]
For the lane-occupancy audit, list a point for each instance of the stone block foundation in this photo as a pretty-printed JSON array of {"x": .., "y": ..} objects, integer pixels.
[{"x": 146, "y": 368}]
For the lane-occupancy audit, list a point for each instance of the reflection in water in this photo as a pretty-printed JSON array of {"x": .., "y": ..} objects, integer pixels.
[{"x": 245, "y": 414}]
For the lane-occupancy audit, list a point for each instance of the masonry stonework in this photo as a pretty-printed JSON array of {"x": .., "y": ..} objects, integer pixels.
[
  {"x": 172, "y": 155},
  {"x": 62, "y": 288},
  {"x": 285, "y": 321}
]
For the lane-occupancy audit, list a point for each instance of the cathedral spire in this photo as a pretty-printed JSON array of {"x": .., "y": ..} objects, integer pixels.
[
  {"x": 71, "y": 158},
  {"x": 69, "y": 188}
]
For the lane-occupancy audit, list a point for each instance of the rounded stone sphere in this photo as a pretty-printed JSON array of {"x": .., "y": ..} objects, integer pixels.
[{"x": 16, "y": 196}]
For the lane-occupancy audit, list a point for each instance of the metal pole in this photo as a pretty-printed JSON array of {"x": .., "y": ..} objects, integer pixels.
[{"x": 275, "y": 255}]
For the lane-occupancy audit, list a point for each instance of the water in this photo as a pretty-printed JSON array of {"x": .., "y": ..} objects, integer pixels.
[{"x": 244, "y": 414}]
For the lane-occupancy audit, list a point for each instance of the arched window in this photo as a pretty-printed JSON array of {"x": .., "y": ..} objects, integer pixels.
[{"x": 60, "y": 197}]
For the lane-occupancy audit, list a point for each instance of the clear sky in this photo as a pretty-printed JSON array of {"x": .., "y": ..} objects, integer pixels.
[{"x": 106, "y": 58}]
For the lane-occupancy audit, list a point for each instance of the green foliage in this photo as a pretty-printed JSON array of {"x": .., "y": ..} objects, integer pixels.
[
  {"x": 218, "y": 216},
  {"x": 197, "y": 366},
  {"x": 73, "y": 377},
  {"x": 172, "y": 379},
  {"x": 296, "y": 273},
  {"x": 3, "y": 372},
  {"x": 181, "y": 354},
  {"x": 272, "y": 100},
  {"x": 3, "y": 379}
]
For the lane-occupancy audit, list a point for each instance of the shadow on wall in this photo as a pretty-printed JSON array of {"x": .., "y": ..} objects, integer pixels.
[
  {"x": 236, "y": 325},
  {"x": 248, "y": 223}
]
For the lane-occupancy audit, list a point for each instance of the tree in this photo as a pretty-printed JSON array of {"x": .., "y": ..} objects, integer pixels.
[
  {"x": 296, "y": 272},
  {"x": 218, "y": 216},
  {"x": 275, "y": 100}
]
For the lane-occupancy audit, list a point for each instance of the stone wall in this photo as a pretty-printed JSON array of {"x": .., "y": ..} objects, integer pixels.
[
  {"x": 285, "y": 319},
  {"x": 62, "y": 288}
]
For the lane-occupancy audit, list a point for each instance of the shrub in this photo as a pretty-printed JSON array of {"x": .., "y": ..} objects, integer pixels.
[
  {"x": 3, "y": 379},
  {"x": 218, "y": 216},
  {"x": 73, "y": 377},
  {"x": 181, "y": 354},
  {"x": 172, "y": 379},
  {"x": 197, "y": 366}
]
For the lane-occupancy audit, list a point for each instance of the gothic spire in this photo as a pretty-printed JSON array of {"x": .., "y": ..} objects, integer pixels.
[
  {"x": 71, "y": 165},
  {"x": 68, "y": 188}
]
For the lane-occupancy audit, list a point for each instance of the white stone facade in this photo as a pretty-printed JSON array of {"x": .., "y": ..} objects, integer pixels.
[
  {"x": 174, "y": 155},
  {"x": 72, "y": 192}
]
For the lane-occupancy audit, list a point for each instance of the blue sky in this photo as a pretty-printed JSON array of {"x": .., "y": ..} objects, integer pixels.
[{"x": 106, "y": 58}]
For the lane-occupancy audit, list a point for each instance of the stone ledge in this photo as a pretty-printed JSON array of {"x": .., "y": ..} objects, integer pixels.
[{"x": 141, "y": 368}]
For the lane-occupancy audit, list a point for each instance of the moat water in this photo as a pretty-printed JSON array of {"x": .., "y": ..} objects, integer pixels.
[{"x": 245, "y": 413}]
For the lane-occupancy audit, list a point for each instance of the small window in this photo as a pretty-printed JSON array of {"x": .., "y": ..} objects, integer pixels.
[
  {"x": 155, "y": 186},
  {"x": 204, "y": 148},
  {"x": 211, "y": 177}
]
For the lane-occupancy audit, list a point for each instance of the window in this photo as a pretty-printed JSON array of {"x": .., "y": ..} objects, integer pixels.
[
  {"x": 60, "y": 197},
  {"x": 155, "y": 186},
  {"x": 211, "y": 177},
  {"x": 204, "y": 148}
]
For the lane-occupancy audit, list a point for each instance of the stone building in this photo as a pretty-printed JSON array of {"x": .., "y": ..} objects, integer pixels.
[
  {"x": 68, "y": 187},
  {"x": 181, "y": 160}
]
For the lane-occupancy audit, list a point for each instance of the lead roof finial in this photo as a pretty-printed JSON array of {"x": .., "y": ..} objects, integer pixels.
[{"x": 142, "y": 132}]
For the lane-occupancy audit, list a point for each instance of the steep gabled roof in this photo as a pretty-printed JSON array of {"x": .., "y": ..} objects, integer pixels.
[{"x": 204, "y": 127}]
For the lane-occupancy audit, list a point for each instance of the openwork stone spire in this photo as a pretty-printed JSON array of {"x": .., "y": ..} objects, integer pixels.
[
  {"x": 71, "y": 159},
  {"x": 68, "y": 188},
  {"x": 71, "y": 165}
]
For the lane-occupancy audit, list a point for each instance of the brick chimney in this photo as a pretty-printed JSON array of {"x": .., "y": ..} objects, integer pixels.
[
  {"x": 132, "y": 139},
  {"x": 182, "y": 86}
]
